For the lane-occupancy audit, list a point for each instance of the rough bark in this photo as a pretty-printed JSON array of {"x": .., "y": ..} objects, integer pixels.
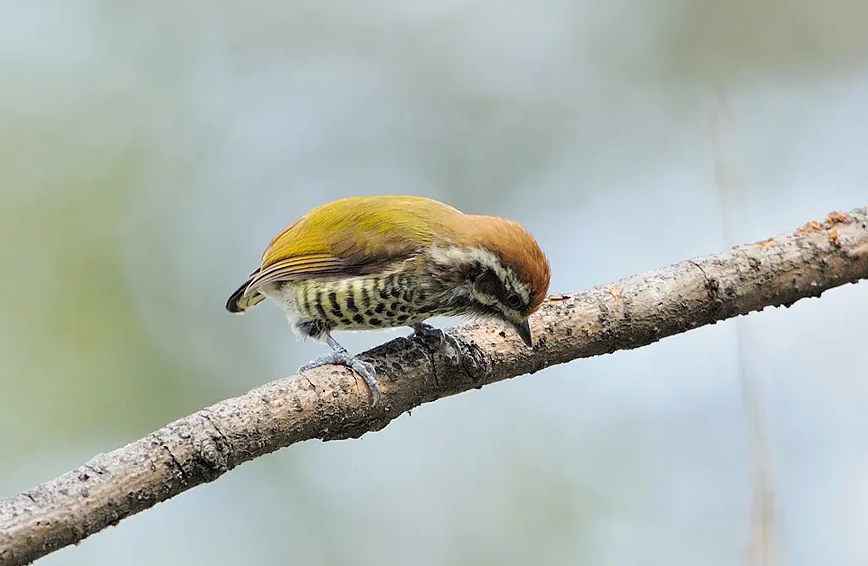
[{"x": 330, "y": 403}]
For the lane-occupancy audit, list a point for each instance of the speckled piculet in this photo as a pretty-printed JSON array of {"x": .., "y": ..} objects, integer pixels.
[{"x": 387, "y": 261}]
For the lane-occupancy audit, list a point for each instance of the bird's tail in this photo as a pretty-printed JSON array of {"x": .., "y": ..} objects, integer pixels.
[{"x": 239, "y": 303}]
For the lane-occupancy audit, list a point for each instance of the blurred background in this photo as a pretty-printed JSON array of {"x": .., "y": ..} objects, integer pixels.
[{"x": 149, "y": 151}]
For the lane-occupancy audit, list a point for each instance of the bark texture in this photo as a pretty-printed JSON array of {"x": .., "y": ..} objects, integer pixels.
[{"x": 330, "y": 403}]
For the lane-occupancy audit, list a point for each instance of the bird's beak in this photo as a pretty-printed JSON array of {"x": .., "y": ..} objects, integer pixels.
[{"x": 523, "y": 329}]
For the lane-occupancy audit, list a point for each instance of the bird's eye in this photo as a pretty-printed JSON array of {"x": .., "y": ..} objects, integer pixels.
[{"x": 513, "y": 300}]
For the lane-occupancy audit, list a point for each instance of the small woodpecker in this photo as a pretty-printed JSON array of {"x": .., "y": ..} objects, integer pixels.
[{"x": 376, "y": 262}]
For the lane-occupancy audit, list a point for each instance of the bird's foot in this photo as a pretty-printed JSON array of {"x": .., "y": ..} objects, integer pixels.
[
  {"x": 343, "y": 358},
  {"x": 440, "y": 339}
]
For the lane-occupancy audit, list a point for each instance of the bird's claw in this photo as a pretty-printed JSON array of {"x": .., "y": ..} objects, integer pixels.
[
  {"x": 344, "y": 358},
  {"x": 445, "y": 342}
]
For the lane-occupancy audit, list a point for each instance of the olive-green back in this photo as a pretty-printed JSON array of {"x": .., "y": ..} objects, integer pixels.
[{"x": 354, "y": 235}]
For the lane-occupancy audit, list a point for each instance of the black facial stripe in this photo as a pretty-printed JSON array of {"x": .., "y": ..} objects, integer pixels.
[{"x": 489, "y": 283}]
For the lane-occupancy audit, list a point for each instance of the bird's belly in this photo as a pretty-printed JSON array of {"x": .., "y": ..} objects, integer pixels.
[{"x": 361, "y": 303}]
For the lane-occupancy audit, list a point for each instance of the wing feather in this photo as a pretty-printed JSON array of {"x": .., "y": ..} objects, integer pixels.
[
  {"x": 350, "y": 237},
  {"x": 296, "y": 268}
]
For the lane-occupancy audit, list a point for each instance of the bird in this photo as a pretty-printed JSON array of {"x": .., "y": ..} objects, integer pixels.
[{"x": 388, "y": 261}]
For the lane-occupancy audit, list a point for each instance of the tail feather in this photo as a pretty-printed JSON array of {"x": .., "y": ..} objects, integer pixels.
[{"x": 239, "y": 303}]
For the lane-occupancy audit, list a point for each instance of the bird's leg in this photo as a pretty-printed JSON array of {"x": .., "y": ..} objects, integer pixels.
[
  {"x": 444, "y": 341},
  {"x": 340, "y": 356}
]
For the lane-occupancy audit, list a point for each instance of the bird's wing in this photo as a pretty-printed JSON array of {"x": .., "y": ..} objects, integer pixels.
[
  {"x": 295, "y": 268},
  {"x": 342, "y": 239}
]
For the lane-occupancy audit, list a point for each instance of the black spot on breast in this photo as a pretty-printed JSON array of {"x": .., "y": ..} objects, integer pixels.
[
  {"x": 366, "y": 298},
  {"x": 403, "y": 318},
  {"x": 375, "y": 322},
  {"x": 380, "y": 308},
  {"x": 359, "y": 319},
  {"x": 333, "y": 303},
  {"x": 345, "y": 321},
  {"x": 351, "y": 304},
  {"x": 318, "y": 304},
  {"x": 305, "y": 302}
]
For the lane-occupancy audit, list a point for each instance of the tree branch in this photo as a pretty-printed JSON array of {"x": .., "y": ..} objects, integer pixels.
[{"x": 329, "y": 403}]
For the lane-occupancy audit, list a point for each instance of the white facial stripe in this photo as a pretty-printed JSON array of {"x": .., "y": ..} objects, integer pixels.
[{"x": 453, "y": 255}]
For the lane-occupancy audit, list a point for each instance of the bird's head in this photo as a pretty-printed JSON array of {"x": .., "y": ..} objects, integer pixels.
[{"x": 506, "y": 273}]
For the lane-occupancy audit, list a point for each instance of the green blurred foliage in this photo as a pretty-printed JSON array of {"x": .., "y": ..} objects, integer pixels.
[{"x": 80, "y": 353}]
